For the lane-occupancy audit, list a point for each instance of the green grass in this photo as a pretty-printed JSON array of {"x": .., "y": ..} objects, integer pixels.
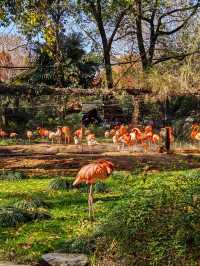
[
  {"x": 5, "y": 142},
  {"x": 151, "y": 219}
]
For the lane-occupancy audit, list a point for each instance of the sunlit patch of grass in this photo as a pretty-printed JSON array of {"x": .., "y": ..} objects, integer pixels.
[
  {"x": 6, "y": 142},
  {"x": 133, "y": 211}
]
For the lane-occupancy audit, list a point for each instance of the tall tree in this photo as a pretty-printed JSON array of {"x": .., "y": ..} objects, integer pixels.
[
  {"x": 107, "y": 17},
  {"x": 156, "y": 27}
]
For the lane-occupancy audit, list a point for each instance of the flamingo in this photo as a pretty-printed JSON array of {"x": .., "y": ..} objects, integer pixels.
[
  {"x": 138, "y": 134},
  {"x": 67, "y": 134},
  {"x": 76, "y": 140},
  {"x": 52, "y": 136},
  {"x": 43, "y": 132},
  {"x": 58, "y": 134},
  {"x": 29, "y": 135},
  {"x": 126, "y": 139},
  {"x": 116, "y": 140},
  {"x": 155, "y": 138},
  {"x": 107, "y": 134},
  {"x": 79, "y": 133},
  {"x": 122, "y": 130},
  {"x": 91, "y": 141},
  {"x": 90, "y": 174},
  {"x": 112, "y": 132},
  {"x": 3, "y": 134},
  {"x": 195, "y": 134},
  {"x": 13, "y": 135}
]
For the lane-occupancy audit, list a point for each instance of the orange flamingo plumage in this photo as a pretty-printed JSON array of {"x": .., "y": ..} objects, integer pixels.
[
  {"x": 195, "y": 134},
  {"x": 66, "y": 134},
  {"x": 90, "y": 174}
]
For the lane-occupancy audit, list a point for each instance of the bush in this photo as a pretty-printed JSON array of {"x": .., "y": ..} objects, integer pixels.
[
  {"x": 11, "y": 216},
  {"x": 60, "y": 183},
  {"x": 29, "y": 204},
  {"x": 12, "y": 176},
  {"x": 99, "y": 187},
  {"x": 23, "y": 211}
]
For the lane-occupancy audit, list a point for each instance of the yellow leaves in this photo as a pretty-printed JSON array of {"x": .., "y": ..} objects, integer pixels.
[
  {"x": 33, "y": 18},
  {"x": 50, "y": 35},
  {"x": 188, "y": 209},
  {"x": 2, "y": 14}
]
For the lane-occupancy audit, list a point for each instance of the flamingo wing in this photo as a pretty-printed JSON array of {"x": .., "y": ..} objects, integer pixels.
[{"x": 90, "y": 173}]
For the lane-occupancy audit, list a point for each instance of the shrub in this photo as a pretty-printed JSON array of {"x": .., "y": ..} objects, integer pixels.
[
  {"x": 11, "y": 216},
  {"x": 23, "y": 211},
  {"x": 99, "y": 187},
  {"x": 12, "y": 176},
  {"x": 60, "y": 183},
  {"x": 28, "y": 204}
]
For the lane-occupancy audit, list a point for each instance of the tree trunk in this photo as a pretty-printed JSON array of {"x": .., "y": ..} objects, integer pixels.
[
  {"x": 136, "y": 110},
  {"x": 139, "y": 33},
  {"x": 167, "y": 140},
  {"x": 3, "y": 118},
  {"x": 109, "y": 77}
]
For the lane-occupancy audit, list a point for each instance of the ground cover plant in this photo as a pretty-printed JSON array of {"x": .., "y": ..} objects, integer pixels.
[{"x": 141, "y": 219}]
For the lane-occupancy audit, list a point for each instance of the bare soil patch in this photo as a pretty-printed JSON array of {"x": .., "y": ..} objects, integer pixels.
[{"x": 42, "y": 159}]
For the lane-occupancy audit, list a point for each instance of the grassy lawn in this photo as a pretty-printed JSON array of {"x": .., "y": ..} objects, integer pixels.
[
  {"x": 155, "y": 216},
  {"x": 68, "y": 209}
]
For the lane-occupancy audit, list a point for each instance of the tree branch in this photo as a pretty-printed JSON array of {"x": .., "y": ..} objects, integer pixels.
[
  {"x": 119, "y": 20},
  {"x": 158, "y": 32},
  {"x": 18, "y": 46},
  {"x": 176, "y": 57}
]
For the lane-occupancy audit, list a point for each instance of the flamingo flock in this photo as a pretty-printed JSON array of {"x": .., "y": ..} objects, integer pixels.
[
  {"x": 129, "y": 136},
  {"x": 121, "y": 136}
]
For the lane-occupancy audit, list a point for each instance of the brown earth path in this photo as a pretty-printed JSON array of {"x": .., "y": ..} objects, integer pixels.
[{"x": 52, "y": 160}]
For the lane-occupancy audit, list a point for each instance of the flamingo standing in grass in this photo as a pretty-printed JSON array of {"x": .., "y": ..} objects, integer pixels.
[{"x": 90, "y": 174}]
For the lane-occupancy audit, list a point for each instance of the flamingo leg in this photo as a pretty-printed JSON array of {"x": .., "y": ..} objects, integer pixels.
[{"x": 90, "y": 203}]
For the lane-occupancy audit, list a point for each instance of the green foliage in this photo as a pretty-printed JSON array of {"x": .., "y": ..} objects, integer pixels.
[
  {"x": 73, "y": 120},
  {"x": 22, "y": 211},
  {"x": 12, "y": 176},
  {"x": 30, "y": 204},
  {"x": 60, "y": 183},
  {"x": 158, "y": 221},
  {"x": 156, "y": 218},
  {"x": 192, "y": 174},
  {"x": 10, "y": 216},
  {"x": 101, "y": 187},
  {"x": 74, "y": 68}
]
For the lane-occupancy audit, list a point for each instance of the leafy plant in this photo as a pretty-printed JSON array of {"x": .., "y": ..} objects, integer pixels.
[
  {"x": 12, "y": 176},
  {"x": 28, "y": 204},
  {"x": 192, "y": 173},
  {"x": 101, "y": 187},
  {"x": 11, "y": 216},
  {"x": 60, "y": 183}
]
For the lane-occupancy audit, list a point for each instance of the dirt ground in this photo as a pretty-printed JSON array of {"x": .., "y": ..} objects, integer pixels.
[{"x": 53, "y": 160}]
